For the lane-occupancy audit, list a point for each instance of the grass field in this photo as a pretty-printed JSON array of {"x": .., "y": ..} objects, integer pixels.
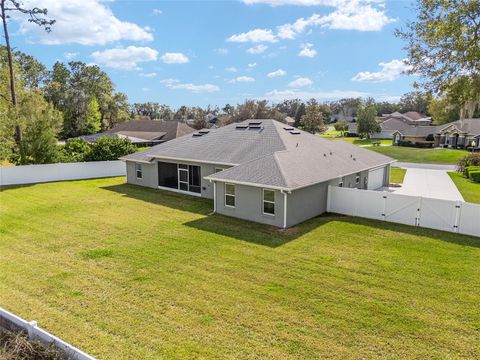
[
  {"x": 469, "y": 190},
  {"x": 418, "y": 155},
  {"x": 125, "y": 272},
  {"x": 397, "y": 175},
  {"x": 354, "y": 140}
]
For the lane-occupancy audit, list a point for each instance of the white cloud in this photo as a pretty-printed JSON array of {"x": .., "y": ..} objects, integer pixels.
[
  {"x": 231, "y": 69},
  {"x": 202, "y": 88},
  {"x": 252, "y": 65},
  {"x": 145, "y": 89},
  {"x": 300, "y": 82},
  {"x": 243, "y": 79},
  {"x": 280, "y": 95},
  {"x": 124, "y": 58},
  {"x": 70, "y": 55},
  {"x": 157, "y": 12},
  {"x": 277, "y": 73},
  {"x": 389, "y": 71},
  {"x": 307, "y": 51},
  {"x": 254, "y": 36},
  {"x": 359, "y": 15},
  {"x": 174, "y": 58},
  {"x": 258, "y": 49},
  {"x": 148, "y": 75},
  {"x": 85, "y": 22}
]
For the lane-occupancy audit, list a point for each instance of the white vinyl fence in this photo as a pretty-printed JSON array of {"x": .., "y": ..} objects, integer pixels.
[
  {"x": 12, "y": 322},
  {"x": 29, "y": 174},
  {"x": 447, "y": 215}
]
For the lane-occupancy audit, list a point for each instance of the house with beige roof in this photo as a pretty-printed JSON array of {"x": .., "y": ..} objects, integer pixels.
[{"x": 258, "y": 170}]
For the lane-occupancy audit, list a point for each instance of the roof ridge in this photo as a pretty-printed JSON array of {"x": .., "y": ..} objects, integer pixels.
[{"x": 275, "y": 157}]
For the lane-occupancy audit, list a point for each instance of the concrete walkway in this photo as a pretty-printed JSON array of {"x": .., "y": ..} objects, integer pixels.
[{"x": 429, "y": 183}]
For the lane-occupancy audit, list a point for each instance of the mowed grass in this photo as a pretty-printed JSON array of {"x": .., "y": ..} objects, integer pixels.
[
  {"x": 469, "y": 190},
  {"x": 419, "y": 155},
  {"x": 354, "y": 140},
  {"x": 397, "y": 175},
  {"x": 125, "y": 272}
]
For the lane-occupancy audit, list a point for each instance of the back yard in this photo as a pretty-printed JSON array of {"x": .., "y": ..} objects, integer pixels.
[{"x": 128, "y": 272}]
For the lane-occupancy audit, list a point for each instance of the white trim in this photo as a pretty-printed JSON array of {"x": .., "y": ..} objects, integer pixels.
[
  {"x": 179, "y": 191},
  {"x": 285, "y": 210},
  {"x": 214, "y": 197},
  {"x": 141, "y": 171},
  {"x": 225, "y": 195},
  {"x": 266, "y": 201}
]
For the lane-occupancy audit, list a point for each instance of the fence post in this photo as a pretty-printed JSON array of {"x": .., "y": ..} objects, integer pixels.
[
  {"x": 384, "y": 210},
  {"x": 419, "y": 207},
  {"x": 458, "y": 210}
]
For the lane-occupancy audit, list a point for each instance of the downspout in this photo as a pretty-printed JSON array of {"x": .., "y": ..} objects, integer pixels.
[
  {"x": 214, "y": 197},
  {"x": 284, "y": 208}
]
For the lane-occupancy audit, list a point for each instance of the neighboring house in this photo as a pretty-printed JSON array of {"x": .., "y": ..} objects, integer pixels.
[
  {"x": 145, "y": 132},
  {"x": 459, "y": 134},
  {"x": 259, "y": 170},
  {"x": 422, "y": 136},
  {"x": 391, "y": 123}
]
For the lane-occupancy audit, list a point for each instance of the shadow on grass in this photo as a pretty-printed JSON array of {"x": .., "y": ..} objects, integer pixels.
[
  {"x": 164, "y": 198},
  {"x": 266, "y": 235}
]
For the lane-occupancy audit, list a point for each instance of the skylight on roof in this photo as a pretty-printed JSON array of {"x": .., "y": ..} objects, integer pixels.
[
  {"x": 204, "y": 131},
  {"x": 289, "y": 128},
  {"x": 241, "y": 126},
  {"x": 254, "y": 123},
  {"x": 295, "y": 132},
  {"x": 197, "y": 134}
]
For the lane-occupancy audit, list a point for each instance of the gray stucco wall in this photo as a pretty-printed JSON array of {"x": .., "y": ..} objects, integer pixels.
[
  {"x": 149, "y": 178},
  {"x": 303, "y": 204},
  {"x": 249, "y": 205},
  {"x": 150, "y": 175}
]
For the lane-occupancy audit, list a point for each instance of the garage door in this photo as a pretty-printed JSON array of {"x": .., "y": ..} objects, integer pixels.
[{"x": 375, "y": 178}]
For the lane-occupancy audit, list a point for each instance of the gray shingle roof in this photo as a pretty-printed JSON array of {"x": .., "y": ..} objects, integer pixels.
[
  {"x": 270, "y": 156},
  {"x": 419, "y": 131},
  {"x": 468, "y": 126},
  {"x": 152, "y": 129}
]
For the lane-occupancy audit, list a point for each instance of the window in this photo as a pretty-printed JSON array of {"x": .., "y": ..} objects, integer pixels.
[
  {"x": 357, "y": 179},
  {"x": 268, "y": 202},
  {"x": 229, "y": 195},
  {"x": 139, "y": 170},
  {"x": 340, "y": 182}
]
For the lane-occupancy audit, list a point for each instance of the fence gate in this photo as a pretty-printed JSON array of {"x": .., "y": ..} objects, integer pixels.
[
  {"x": 439, "y": 214},
  {"x": 402, "y": 209}
]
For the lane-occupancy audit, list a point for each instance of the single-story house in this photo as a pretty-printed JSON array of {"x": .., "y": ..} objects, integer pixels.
[
  {"x": 259, "y": 170},
  {"x": 145, "y": 132},
  {"x": 423, "y": 136},
  {"x": 459, "y": 134}
]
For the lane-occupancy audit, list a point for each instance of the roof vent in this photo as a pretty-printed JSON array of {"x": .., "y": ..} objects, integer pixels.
[
  {"x": 295, "y": 132},
  {"x": 241, "y": 127}
]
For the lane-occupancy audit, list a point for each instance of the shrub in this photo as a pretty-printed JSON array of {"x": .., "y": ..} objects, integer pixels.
[
  {"x": 475, "y": 176},
  {"x": 469, "y": 169},
  {"x": 405, "y": 143},
  {"x": 341, "y": 125},
  {"x": 106, "y": 148},
  {"x": 75, "y": 150},
  {"x": 469, "y": 160}
]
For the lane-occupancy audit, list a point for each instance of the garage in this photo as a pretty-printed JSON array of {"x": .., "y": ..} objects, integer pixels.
[{"x": 376, "y": 178}]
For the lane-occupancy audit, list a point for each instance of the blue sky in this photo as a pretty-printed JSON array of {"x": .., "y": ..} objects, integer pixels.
[{"x": 218, "y": 52}]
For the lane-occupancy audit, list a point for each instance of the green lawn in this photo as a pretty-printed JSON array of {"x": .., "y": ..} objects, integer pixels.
[
  {"x": 418, "y": 155},
  {"x": 469, "y": 190},
  {"x": 125, "y": 272},
  {"x": 397, "y": 175},
  {"x": 353, "y": 140}
]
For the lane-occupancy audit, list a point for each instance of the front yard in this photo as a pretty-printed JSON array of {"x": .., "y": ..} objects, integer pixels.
[
  {"x": 418, "y": 155},
  {"x": 128, "y": 272},
  {"x": 469, "y": 190}
]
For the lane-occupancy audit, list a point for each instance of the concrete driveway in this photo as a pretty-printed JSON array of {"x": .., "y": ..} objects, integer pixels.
[{"x": 429, "y": 183}]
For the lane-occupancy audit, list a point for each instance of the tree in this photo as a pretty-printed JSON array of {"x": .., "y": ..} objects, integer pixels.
[
  {"x": 92, "y": 118},
  {"x": 443, "y": 46},
  {"x": 106, "y": 148},
  {"x": 294, "y": 108},
  {"x": 312, "y": 121},
  {"x": 366, "y": 119},
  {"x": 385, "y": 107},
  {"x": 442, "y": 112},
  {"x": 415, "y": 101},
  {"x": 36, "y": 16},
  {"x": 40, "y": 124}
]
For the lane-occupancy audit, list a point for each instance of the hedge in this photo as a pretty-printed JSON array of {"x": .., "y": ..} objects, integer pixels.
[
  {"x": 469, "y": 169},
  {"x": 475, "y": 176}
]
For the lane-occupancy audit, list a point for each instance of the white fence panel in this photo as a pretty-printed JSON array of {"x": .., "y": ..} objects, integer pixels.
[
  {"x": 439, "y": 214},
  {"x": 446, "y": 215},
  {"x": 469, "y": 220},
  {"x": 402, "y": 209},
  {"x": 29, "y": 174}
]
